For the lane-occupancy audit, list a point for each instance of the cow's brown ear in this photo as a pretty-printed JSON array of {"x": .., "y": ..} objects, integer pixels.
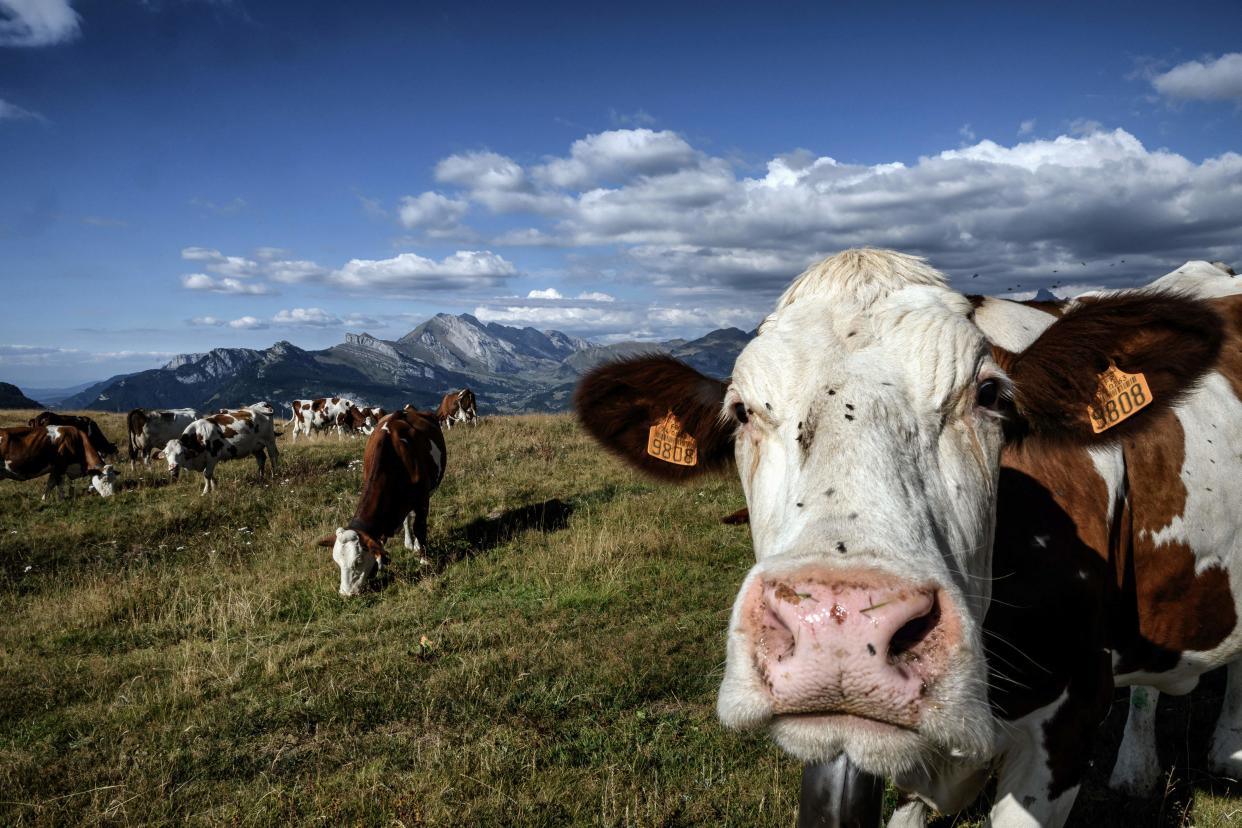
[
  {"x": 327, "y": 540},
  {"x": 1080, "y": 380},
  {"x": 622, "y": 402}
]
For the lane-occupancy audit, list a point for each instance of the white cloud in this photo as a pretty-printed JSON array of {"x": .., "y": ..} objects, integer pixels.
[
  {"x": 248, "y": 323},
  {"x": 291, "y": 318},
  {"x": 431, "y": 210},
  {"x": 595, "y": 296},
  {"x": 966, "y": 132},
  {"x": 306, "y": 317},
  {"x": 617, "y": 155},
  {"x": 201, "y": 281},
  {"x": 549, "y": 293},
  {"x": 619, "y": 321},
  {"x": 463, "y": 270},
  {"x": 1026, "y": 127},
  {"x": 1009, "y": 213},
  {"x": 217, "y": 262},
  {"x": 1208, "y": 80},
  {"x": 13, "y": 112},
  {"x": 37, "y": 22}
]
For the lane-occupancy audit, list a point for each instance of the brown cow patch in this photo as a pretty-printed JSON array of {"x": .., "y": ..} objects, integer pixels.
[{"x": 318, "y": 405}]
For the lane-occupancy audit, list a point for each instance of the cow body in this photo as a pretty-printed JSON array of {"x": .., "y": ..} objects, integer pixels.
[
  {"x": 310, "y": 416},
  {"x": 102, "y": 445},
  {"x": 59, "y": 451},
  {"x": 953, "y": 568},
  {"x": 150, "y": 430},
  {"x": 229, "y": 435},
  {"x": 457, "y": 407},
  {"x": 403, "y": 464},
  {"x": 361, "y": 419}
]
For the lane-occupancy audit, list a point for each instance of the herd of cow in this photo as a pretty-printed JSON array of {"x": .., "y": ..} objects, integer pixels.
[{"x": 972, "y": 518}]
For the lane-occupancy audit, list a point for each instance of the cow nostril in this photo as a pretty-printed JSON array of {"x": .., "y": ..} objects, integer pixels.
[
  {"x": 914, "y": 632},
  {"x": 776, "y": 640}
]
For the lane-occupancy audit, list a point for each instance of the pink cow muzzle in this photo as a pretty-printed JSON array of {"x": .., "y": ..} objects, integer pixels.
[{"x": 854, "y": 643}]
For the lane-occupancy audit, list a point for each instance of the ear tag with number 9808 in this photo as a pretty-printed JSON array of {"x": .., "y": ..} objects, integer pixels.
[
  {"x": 666, "y": 441},
  {"x": 1118, "y": 396}
]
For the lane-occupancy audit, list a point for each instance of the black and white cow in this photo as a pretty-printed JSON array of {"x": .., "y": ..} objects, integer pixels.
[{"x": 150, "y": 430}]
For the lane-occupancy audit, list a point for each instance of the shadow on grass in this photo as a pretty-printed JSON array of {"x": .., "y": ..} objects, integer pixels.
[{"x": 482, "y": 535}]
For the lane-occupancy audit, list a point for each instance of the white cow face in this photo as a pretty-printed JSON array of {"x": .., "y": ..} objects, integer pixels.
[
  {"x": 175, "y": 454},
  {"x": 868, "y": 446},
  {"x": 866, "y": 422},
  {"x": 105, "y": 481},
  {"x": 356, "y": 555}
]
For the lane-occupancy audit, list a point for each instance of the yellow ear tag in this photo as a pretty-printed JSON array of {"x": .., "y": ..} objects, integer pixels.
[
  {"x": 666, "y": 441},
  {"x": 1118, "y": 396}
]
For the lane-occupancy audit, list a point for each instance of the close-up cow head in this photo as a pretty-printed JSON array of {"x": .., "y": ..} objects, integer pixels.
[
  {"x": 358, "y": 555},
  {"x": 866, "y": 422}
]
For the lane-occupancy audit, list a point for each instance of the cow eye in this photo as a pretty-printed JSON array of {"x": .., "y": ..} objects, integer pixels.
[
  {"x": 739, "y": 413},
  {"x": 987, "y": 395}
]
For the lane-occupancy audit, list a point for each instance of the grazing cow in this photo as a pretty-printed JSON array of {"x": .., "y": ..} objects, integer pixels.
[
  {"x": 361, "y": 420},
  {"x": 151, "y": 429},
  {"x": 319, "y": 415},
  {"x": 457, "y": 407},
  {"x": 402, "y": 465},
  {"x": 86, "y": 425},
  {"x": 210, "y": 440},
  {"x": 969, "y": 522},
  {"x": 59, "y": 451}
]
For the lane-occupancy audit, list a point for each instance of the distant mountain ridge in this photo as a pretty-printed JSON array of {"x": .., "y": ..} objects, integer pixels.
[
  {"x": 510, "y": 369},
  {"x": 12, "y": 397}
]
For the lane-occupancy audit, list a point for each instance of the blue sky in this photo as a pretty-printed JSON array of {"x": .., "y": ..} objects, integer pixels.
[{"x": 184, "y": 174}]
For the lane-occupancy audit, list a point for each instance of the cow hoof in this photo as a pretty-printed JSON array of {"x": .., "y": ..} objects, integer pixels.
[
  {"x": 1226, "y": 761},
  {"x": 1135, "y": 778}
]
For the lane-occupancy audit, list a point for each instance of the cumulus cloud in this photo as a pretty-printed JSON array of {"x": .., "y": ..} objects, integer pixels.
[
  {"x": 1219, "y": 79},
  {"x": 617, "y": 155},
  {"x": 37, "y": 22},
  {"x": 432, "y": 211},
  {"x": 1026, "y": 127},
  {"x": 596, "y": 296},
  {"x": 685, "y": 222},
  {"x": 13, "y": 112},
  {"x": 201, "y": 281},
  {"x": 549, "y": 293},
  {"x": 463, "y": 270}
]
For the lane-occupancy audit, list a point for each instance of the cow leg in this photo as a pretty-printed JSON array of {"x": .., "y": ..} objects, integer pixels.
[
  {"x": 410, "y": 542},
  {"x": 421, "y": 506},
  {"x": 1225, "y": 754},
  {"x": 1137, "y": 771},
  {"x": 273, "y": 455},
  {"x": 260, "y": 457}
]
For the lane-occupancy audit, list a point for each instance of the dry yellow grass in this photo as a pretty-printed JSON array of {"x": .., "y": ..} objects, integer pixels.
[{"x": 170, "y": 658}]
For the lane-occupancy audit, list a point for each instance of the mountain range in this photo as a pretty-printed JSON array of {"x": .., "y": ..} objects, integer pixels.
[{"x": 510, "y": 369}]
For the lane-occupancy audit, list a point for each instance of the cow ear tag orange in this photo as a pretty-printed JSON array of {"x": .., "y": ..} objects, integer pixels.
[
  {"x": 666, "y": 441},
  {"x": 1118, "y": 396}
]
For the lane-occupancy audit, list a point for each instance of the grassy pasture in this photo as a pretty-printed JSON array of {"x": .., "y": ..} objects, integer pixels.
[{"x": 170, "y": 658}]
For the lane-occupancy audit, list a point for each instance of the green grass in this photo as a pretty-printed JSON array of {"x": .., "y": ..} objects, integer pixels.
[{"x": 170, "y": 658}]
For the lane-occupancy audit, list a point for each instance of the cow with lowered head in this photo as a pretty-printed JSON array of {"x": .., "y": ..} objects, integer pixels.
[
  {"x": 86, "y": 425},
  {"x": 149, "y": 430},
  {"x": 231, "y": 434},
  {"x": 457, "y": 407},
  {"x": 59, "y": 451},
  {"x": 402, "y": 465},
  {"x": 970, "y": 519}
]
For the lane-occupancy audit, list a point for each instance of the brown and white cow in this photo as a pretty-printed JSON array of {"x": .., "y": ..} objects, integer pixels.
[
  {"x": 150, "y": 430},
  {"x": 953, "y": 565},
  {"x": 402, "y": 465},
  {"x": 319, "y": 415},
  {"x": 86, "y": 425},
  {"x": 59, "y": 451},
  {"x": 457, "y": 407},
  {"x": 361, "y": 420},
  {"x": 207, "y": 441}
]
